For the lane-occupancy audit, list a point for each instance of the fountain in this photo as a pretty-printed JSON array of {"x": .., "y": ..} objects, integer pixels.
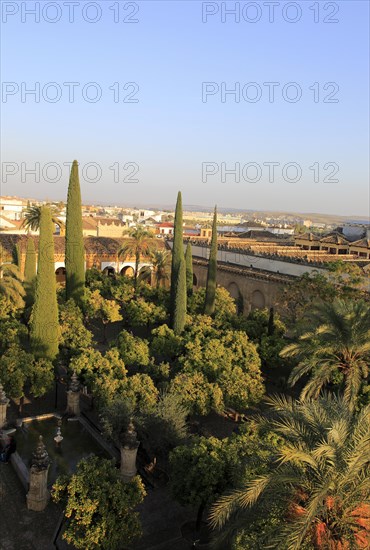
[
  {"x": 58, "y": 438},
  {"x": 80, "y": 440},
  {"x": 64, "y": 450}
]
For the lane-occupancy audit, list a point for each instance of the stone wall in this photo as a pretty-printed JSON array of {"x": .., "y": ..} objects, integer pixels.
[
  {"x": 257, "y": 290},
  {"x": 113, "y": 229}
]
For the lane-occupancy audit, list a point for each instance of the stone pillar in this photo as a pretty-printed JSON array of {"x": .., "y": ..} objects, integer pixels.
[
  {"x": 128, "y": 454},
  {"x": 4, "y": 402},
  {"x": 73, "y": 397},
  {"x": 38, "y": 494}
]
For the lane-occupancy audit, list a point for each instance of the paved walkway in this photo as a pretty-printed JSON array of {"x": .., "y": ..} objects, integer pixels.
[{"x": 20, "y": 528}]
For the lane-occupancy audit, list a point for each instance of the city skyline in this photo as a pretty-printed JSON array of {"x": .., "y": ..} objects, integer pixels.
[{"x": 194, "y": 208}]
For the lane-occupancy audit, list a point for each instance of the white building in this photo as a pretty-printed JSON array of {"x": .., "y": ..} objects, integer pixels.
[{"x": 12, "y": 207}]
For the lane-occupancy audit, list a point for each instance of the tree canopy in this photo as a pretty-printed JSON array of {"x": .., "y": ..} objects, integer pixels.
[{"x": 99, "y": 505}]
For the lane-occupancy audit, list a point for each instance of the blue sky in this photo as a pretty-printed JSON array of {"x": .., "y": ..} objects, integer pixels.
[{"x": 170, "y": 132}]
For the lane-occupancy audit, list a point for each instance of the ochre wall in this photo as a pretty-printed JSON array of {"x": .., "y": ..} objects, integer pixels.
[{"x": 256, "y": 291}]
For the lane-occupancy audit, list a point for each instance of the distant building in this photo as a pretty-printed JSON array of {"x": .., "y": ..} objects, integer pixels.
[
  {"x": 12, "y": 207},
  {"x": 144, "y": 214},
  {"x": 361, "y": 248},
  {"x": 191, "y": 231},
  {"x": 102, "y": 227},
  {"x": 11, "y": 225},
  {"x": 100, "y": 253},
  {"x": 355, "y": 231},
  {"x": 307, "y": 241},
  {"x": 165, "y": 228},
  {"x": 335, "y": 243}
]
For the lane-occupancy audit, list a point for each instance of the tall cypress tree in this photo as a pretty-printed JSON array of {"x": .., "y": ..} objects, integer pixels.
[
  {"x": 75, "y": 252},
  {"x": 30, "y": 271},
  {"x": 16, "y": 256},
  {"x": 189, "y": 269},
  {"x": 177, "y": 254},
  {"x": 271, "y": 323},
  {"x": 44, "y": 332},
  {"x": 180, "y": 299},
  {"x": 209, "y": 306}
]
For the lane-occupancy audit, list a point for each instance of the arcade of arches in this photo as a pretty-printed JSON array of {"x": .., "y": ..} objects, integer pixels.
[{"x": 249, "y": 290}]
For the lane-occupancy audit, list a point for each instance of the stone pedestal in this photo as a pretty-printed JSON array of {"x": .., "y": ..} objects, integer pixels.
[
  {"x": 73, "y": 397},
  {"x": 38, "y": 494},
  {"x": 128, "y": 454},
  {"x": 73, "y": 403},
  {"x": 4, "y": 402}
]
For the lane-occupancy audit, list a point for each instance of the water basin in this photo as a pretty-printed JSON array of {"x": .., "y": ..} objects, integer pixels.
[{"x": 77, "y": 443}]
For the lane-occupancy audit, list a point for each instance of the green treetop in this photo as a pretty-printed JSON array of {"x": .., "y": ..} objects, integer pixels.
[
  {"x": 75, "y": 253},
  {"x": 179, "y": 314},
  {"x": 177, "y": 253},
  {"x": 30, "y": 271},
  {"x": 44, "y": 332},
  {"x": 100, "y": 506},
  {"x": 209, "y": 307}
]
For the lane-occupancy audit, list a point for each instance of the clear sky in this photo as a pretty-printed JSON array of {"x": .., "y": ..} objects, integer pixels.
[{"x": 171, "y": 131}]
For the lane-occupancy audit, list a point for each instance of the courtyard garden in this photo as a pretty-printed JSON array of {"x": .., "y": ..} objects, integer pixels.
[{"x": 174, "y": 421}]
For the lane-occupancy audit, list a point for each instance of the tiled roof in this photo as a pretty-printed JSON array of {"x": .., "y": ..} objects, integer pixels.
[
  {"x": 93, "y": 245},
  {"x": 334, "y": 238},
  {"x": 92, "y": 222},
  {"x": 110, "y": 221},
  {"x": 307, "y": 237},
  {"x": 362, "y": 243},
  {"x": 164, "y": 224},
  {"x": 263, "y": 235},
  {"x": 89, "y": 223}
]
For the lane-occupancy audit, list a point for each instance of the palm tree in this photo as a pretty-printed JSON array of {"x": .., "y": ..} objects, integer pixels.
[
  {"x": 32, "y": 218},
  {"x": 11, "y": 287},
  {"x": 141, "y": 245},
  {"x": 160, "y": 266},
  {"x": 161, "y": 262},
  {"x": 336, "y": 343},
  {"x": 321, "y": 477}
]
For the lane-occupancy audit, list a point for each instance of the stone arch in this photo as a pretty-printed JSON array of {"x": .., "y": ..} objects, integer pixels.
[
  {"x": 233, "y": 290},
  {"x": 110, "y": 271},
  {"x": 127, "y": 271},
  {"x": 195, "y": 280},
  {"x": 145, "y": 274},
  {"x": 60, "y": 275},
  {"x": 258, "y": 300}
]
